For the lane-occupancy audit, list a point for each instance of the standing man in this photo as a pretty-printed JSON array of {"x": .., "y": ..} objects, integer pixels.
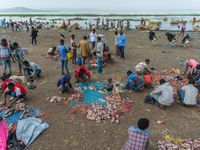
[
  {"x": 122, "y": 44},
  {"x": 5, "y": 56},
  {"x": 63, "y": 56},
  {"x": 99, "y": 52},
  {"x": 27, "y": 25},
  {"x": 34, "y": 34},
  {"x": 117, "y": 40},
  {"x": 93, "y": 38},
  {"x": 85, "y": 48}
]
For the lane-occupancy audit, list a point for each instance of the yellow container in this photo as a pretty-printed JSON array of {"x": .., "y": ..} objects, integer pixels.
[{"x": 69, "y": 55}]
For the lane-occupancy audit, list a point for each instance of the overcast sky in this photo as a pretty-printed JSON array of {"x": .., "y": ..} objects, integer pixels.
[{"x": 105, "y": 4}]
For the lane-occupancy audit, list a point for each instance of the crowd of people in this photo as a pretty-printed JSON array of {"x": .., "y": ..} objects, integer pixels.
[{"x": 92, "y": 46}]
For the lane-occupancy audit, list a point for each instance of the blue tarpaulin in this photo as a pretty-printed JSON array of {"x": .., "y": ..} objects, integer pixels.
[
  {"x": 91, "y": 96},
  {"x": 16, "y": 116}
]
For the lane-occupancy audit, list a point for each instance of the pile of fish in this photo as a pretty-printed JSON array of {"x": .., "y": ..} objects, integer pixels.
[
  {"x": 80, "y": 107},
  {"x": 116, "y": 105},
  {"x": 188, "y": 144},
  {"x": 172, "y": 76},
  {"x": 98, "y": 113},
  {"x": 17, "y": 107},
  {"x": 18, "y": 79},
  {"x": 78, "y": 96},
  {"x": 55, "y": 99}
]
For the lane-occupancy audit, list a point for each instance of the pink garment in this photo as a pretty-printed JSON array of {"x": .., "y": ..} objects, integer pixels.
[
  {"x": 183, "y": 27},
  {"x": 3, "y": 135},
  {"x": 192, "y": 64}
]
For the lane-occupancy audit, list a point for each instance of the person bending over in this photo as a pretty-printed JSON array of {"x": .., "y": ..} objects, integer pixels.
[{"x": 17, "y": 91}]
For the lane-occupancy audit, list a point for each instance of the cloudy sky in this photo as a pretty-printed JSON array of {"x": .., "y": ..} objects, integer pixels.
[{"x": 106, "y": 4}]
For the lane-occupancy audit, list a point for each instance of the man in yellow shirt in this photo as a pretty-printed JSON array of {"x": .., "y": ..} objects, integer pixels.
[{"x": 85, "y": 49}]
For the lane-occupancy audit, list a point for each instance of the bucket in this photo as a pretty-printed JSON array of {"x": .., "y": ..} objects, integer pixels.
[{"x": 69, "y": 55}]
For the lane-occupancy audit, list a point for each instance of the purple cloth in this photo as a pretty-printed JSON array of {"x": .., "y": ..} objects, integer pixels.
[{"x": 63, "y": 81}]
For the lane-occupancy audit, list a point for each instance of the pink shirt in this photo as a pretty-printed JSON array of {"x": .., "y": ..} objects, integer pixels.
[
  {"x": 3, "y": 135},
  {"x": 192, "y": 64}
]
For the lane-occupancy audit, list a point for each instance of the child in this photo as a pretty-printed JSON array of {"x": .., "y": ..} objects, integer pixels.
[
  {"x": 74, "y": 48},
  {"x": 138, "y": 138},
  {"x": 52, "y": 51},
  {"x": 17, "y": 91},
  {"x": 5, "y": 56},
  {"x": 4, "y": 134},
  {"x": 64, "y": 83},
  {"x": 109, "y": 85},
  {"x": 31, "y": 69}
]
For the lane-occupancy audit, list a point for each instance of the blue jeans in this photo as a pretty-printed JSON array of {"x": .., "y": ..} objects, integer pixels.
[
  {"x": 74, "y": 57},
  {"x": 64, "y": 64},
  {"x": 6, "y": 63},
  {"x": 121, "y": 49},
  {"x": 181, "y": 95},
  {"x": 131, "y": 85},
  {"x": 20, "y": 96},
  {"x": 100, "y": 65},
  {"x": 37, "y": 72}
]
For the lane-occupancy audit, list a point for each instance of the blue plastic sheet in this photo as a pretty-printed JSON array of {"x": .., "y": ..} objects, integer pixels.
[
  {"x": 16, "y": 116},
  {"x": 90, "y": 96}
]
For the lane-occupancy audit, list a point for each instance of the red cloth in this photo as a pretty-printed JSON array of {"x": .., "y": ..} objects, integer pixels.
[
  {"x": 79, "y": 74},
  {"x": 21, "y": 88},
  {"x": 148, "y": 79},
  {"x": 4, "y": 84}
]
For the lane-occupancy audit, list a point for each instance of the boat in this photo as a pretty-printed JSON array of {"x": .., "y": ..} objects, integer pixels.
[
  {"x": 154, "y": 22},
  {"x": 178, "y": 21},
  {"x": 195, "y": 21},
  {"x": 148, "y": 27},
  {"x": 196, "y": 28}
]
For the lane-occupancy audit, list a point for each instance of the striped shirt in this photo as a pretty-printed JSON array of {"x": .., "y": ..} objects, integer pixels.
[{"x": 4, "y": 52}]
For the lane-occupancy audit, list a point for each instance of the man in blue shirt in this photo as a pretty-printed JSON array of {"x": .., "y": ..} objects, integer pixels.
[
  {"x": 122, "y": 44},
  {"x": 64, "y": 83},
  {"x": 134, "y": 82},
  {"x": 63, "y": 56}
]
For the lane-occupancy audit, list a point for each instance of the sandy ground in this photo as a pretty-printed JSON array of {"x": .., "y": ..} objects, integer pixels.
[{"x": 75, "y": 132}]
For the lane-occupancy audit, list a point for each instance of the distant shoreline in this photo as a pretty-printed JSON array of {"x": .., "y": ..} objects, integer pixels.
[{"x": 93, "y": 15}]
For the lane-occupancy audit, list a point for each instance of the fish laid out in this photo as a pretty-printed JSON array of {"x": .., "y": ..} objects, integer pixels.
[
  {"x": 55, "y": 99},
  {"x": 116, "y": 105},
  {"x": 78, "y": 96},
  {"x": 171, "y": 76},
  {"x": 171, "y": 143},
  {"x": 98, "y": 112}
]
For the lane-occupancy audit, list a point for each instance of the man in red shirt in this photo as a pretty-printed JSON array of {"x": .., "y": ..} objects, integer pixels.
[
  {"x": 17, "y": 91},
  {"x": 6, "y": 80},
  {"x": 82, "y": 74}
]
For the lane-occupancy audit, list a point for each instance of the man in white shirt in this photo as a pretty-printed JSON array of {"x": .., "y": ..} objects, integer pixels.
[
  {"x": 93, "y": 38},
  {"x": 32, "y": 69},
  {"x": 163, "y": 94},
  {"x": 99, "y": 53},
  {"x": 117, "y": 40},
  {"x": 141, "y": 68},
  {"x": 188, "y": 94}
]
